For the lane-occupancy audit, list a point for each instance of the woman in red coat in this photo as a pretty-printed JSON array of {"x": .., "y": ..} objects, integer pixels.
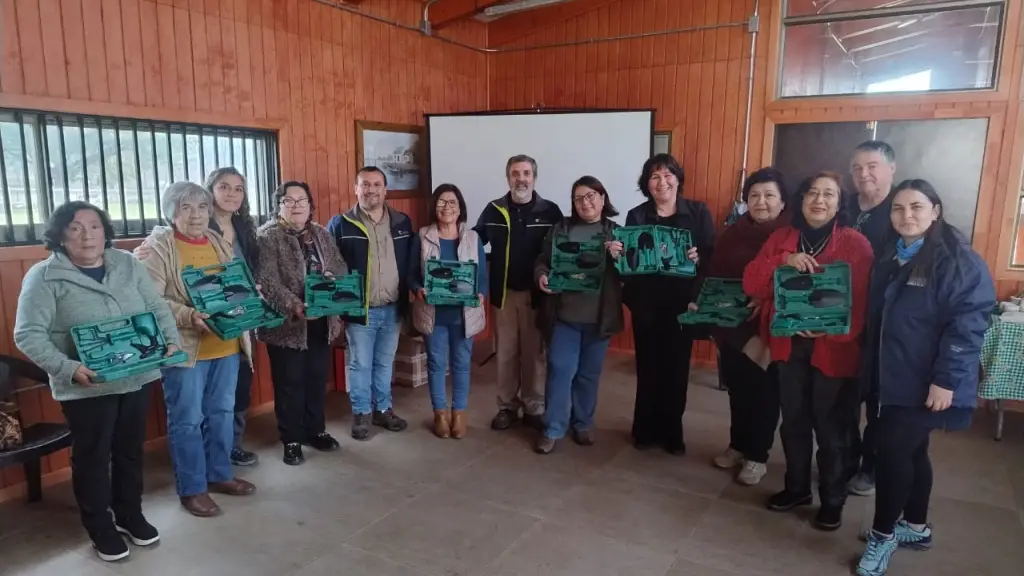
[{"x": 817, "y": 385}]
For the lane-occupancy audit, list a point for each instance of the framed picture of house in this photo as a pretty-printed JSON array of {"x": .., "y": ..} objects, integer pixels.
[{"x": 397, "y": 149}]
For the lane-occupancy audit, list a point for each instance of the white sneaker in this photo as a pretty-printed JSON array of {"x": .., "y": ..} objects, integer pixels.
[
  {"x": 729, "y": 459},
  {"x": 751, "y": 473}
]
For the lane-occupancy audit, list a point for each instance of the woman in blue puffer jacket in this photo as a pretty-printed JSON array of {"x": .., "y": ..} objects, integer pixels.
[{"x": 928, "y": 310}]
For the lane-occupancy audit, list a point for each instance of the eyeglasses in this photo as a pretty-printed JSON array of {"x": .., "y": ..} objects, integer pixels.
[
  {"x": 589, "y": 198},
  {"x": 300, "y": 202},
  {"x": 447, "y": 203}
]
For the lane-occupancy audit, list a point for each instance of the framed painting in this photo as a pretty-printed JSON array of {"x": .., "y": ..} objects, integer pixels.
[{"x": 397, "y": 149}]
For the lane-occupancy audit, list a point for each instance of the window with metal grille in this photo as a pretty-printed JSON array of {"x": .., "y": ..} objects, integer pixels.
[
  {"x": 121, "y": 165},
  {"x": 833, "y": 47}
]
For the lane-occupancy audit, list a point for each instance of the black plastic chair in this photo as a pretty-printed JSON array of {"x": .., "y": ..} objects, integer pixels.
[{"x": 40, "y": 439}]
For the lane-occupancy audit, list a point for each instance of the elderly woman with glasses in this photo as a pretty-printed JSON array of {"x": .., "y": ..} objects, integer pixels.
[
  {"x": 232, "y": 220},
  {"x": 87, "y": 280},
  {"x": 293, "y": 246},
  {"x": 200, "y": 396},
  {"x": 449, "y": 329}
]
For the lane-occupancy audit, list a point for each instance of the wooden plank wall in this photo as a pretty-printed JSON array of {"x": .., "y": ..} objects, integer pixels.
[
  {"x": 696, "y": 82},
  {"x": 301, "y": 67}
]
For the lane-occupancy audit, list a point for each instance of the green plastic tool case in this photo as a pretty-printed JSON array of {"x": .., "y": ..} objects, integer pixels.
[
  {"x": 654, "y": 250},
  {"x": 451, "y": 283},
  {"x": 576, "y": 266},
  {"x": 817, "y": 302},
  {"x": 227, "y": 292},
  {"x": 122, "y": 347},
  {"x": 721, "y": 302},
  {"x": 335, "y": 296}
]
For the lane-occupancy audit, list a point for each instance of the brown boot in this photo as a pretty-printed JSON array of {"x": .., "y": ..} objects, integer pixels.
[
  {"x": 458, "y": 423},
  {"x": 233, "y": 487},
  {"x": 442, "y": 426},
  {"x": 201, "y": 505}
]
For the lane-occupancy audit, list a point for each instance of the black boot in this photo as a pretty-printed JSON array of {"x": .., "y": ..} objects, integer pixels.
[{"x": 293, "y": 454}]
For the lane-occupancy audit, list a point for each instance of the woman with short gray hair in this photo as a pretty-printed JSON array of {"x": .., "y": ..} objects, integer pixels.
[
  {"x": 232, "y": 220},
  {"x": 200, "y": 394}
]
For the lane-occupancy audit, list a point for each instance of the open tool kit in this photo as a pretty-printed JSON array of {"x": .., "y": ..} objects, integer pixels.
[
  {"x": 721, "y": 302},
  {"x": 817, "y": 302},
  {"x": 576, "y": 266},
  {"x": 335, "y": 295},
  {"x": 654, "y": 250},
  {"x": 122, "y": 347},
  {"x": 451, "y": 283},
  {"x": 227, "y": 292}
]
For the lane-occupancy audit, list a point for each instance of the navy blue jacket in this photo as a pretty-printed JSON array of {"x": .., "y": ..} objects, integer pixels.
[
  {"x": 350, "y": 234},
  {"x": 927, "y": 331}
]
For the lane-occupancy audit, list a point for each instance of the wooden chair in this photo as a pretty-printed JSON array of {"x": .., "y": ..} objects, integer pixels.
[{"x": 40, "y": 439}]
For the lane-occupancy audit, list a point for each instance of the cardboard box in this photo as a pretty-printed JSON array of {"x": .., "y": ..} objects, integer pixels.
[{"x": 410, "y": 368}]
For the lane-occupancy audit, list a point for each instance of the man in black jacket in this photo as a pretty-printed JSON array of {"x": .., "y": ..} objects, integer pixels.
[
  {"x": 515, "y": 225},
  {"x": 873, "y": 168},
  {"x": 378, "y": 242}
]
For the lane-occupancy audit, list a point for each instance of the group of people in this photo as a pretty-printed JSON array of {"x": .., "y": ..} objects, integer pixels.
[
  {"x": 915, "y": 283},
  {"x": 920, "y": 302}
]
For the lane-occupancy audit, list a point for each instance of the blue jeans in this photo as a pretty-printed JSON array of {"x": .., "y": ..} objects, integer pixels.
[
  {"x": 575, "y": 359},
  {"x": 200, "y": 418},
  {"x": 448, "y": 342},
  {"x": 371, "y": 359}
]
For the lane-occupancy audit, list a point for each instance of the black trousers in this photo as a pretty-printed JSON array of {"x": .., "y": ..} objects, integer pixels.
[
  {"x": 753, "y": 404},
  {"x": 864, "y": 449},
  {"x": 243, "y": 396},
  {"x": 108, "y": 434},
  {"x": 300, "y": 378},
  {"x": 662, "y": 377},
  {"x": 815, "y": 406},
  {"x": 903, "y": 481}
]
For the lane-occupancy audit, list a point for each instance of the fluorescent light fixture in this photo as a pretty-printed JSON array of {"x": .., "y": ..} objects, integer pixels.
[{"x": 519, "y": 6}]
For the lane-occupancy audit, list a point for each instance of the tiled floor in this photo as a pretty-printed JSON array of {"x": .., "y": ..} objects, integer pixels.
[{"x": 409, "y": 504}]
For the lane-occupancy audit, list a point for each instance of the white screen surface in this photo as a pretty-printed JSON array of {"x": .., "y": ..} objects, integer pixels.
[{"x": 471, "y": 151}]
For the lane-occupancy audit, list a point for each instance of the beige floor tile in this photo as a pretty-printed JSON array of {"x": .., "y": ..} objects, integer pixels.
[
  {"x": 345, "y": 560},
  {"x": 514, "y": 477},
  {"x": 634, "y": 512},
  {"x": 552, "y": 550},
  {"x": 444, "y": 533}
]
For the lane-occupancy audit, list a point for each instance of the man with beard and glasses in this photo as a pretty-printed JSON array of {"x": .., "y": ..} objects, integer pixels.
[
  {"x": 872, "y": 169},
  {"x": 378, "y": 242},
  {"x": 515, "y": 225}
]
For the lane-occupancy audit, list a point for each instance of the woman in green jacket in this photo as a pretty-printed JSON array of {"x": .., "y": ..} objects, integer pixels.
[{"x": 86, "y": 280}]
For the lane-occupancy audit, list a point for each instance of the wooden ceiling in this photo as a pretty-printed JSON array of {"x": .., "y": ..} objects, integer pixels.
[{"x": 444, "y": 13}]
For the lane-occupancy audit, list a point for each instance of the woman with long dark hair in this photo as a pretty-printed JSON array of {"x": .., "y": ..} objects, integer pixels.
[
  {"x": 449, "y": 330},
  {"x": 663, "y": 348},
  {"x": 817, "y": 385},
  {"x": 932, "y": 294},
  {"x": 752, "y": 384},
  {"x": 232, "y": 220},
  {"x": 578, "y": 325}
]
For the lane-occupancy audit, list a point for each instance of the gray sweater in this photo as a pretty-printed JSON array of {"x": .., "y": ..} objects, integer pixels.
[{"x": 55, "y": 296}]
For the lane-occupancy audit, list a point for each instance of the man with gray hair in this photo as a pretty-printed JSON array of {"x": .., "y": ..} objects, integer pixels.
[
  {"x": 516, "y": 225},
  {"x": 872, "y": 168}
]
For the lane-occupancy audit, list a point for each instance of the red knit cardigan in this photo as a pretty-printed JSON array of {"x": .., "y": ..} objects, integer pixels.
[{"x": 835, "y": 356}]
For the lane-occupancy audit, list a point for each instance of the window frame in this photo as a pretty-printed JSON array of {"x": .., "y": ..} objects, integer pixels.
[
  {"x": 45, "y": 190},
  {"x": 888, "y": 12}
]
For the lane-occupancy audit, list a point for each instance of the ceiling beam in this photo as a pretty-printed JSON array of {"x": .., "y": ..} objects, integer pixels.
[
  {"x": 513, "y": 27},
  {"x": 448, "y": 12}
]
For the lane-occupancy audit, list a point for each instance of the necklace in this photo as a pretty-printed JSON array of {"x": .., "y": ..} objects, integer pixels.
[{"x": 813, "y": 249}]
